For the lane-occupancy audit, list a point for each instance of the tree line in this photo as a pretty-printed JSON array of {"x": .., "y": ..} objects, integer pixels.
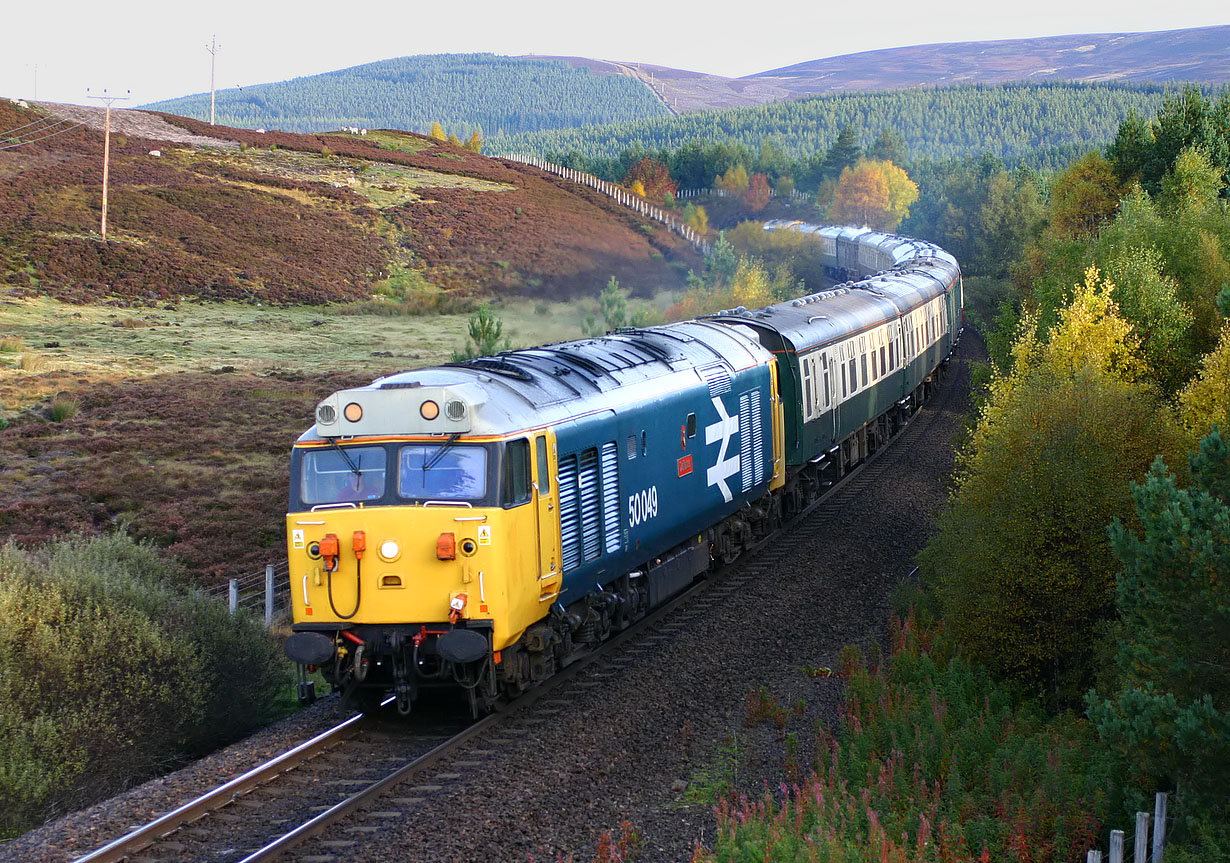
[
  {"x": 469, "y": 93},
  {"x": 1042, "y": 125}
]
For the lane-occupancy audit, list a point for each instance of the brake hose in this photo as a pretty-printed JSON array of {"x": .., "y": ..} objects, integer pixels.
[{"x": 358, "y": 590}]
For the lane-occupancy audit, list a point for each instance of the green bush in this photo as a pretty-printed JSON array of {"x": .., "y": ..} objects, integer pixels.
[{"x": 111, "y": 669}]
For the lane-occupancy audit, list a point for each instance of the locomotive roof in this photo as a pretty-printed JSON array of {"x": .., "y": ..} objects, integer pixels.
[{"x": 530, "y": 387}]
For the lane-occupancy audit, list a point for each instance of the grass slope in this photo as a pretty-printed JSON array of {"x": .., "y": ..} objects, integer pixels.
[
  {"x": 289, "y": 218},
  {"x": 179, "y": 419}
]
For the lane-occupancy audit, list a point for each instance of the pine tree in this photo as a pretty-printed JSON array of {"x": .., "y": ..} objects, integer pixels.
[
  {"x": 1169, "y": 722},
  {"x": 843, "y": 154}
]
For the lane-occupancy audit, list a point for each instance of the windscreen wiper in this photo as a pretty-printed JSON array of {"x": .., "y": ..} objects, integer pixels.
[
  {"x": 439, "y": 454},
  {"x": 354, "y": 467}
]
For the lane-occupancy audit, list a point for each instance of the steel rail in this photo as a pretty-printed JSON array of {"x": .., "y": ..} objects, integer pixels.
[{"x": 144, "y": 836}]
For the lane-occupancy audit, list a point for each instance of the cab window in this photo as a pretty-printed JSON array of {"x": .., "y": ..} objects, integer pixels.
[
  {"x": 440, "y": 472},
  {"x": 516, "y": 479},
  {"x": 544, "y": 469}
]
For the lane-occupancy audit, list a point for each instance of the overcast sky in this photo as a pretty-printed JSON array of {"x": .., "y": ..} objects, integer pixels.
[{"x": 157, "y": 50}]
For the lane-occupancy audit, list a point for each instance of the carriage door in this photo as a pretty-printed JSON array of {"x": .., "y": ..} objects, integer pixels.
[{"x": 546, "y": 500}]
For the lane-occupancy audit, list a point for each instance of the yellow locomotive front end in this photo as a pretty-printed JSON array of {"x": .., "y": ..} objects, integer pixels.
[{"x": 419, "y": 550}]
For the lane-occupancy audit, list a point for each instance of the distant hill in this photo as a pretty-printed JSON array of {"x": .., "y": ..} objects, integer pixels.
[
  {"x": 221, "y": 213},
  {"x": 1043, "y": 125},
  {"x": 500, "y": 95},
  {"x": 1199, "y": 54},
  {"x": 464, "y": 92}
]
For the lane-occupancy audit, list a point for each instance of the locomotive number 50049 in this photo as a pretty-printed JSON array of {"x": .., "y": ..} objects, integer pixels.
[{"x": 643, "y": 506}]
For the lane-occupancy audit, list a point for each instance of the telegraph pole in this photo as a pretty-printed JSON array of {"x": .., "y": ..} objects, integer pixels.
[
  {"x": 107, "y": 153},
  {"x": 213, "y": 48}
]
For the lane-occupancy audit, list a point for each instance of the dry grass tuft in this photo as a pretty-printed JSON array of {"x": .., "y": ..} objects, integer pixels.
[
  {"x": 11, "y": 345},
  {"x": 64, "y": 409},
  {"x": 31, "y": 362}
]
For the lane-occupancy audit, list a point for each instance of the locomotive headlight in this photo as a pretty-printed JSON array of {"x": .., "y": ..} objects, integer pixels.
[
  {"x": 389, "y": 550},
  {"x": 353, "y": 412},
  {"x": 429, "y": 410}
]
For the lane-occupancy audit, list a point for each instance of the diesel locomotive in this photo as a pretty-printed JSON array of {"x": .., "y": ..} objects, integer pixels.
[{"x": 479, "y": 525}]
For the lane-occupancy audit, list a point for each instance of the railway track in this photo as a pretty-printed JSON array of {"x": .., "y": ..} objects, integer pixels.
[{"x": 356, "y": 766}]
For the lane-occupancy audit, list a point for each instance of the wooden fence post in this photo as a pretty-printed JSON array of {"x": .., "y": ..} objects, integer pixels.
[
  {"x": 1116, "y": 846},
  {"x": 1159, "y": 826},
  {"x": 233, "y": 598},
  {"x": 1140, "y": 844},
  {"x": 268, "y": 595}
]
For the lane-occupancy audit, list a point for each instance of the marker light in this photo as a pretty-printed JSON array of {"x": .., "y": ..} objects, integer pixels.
[
  {"x": 446, "y": 547},
  {"x": 429, "y": 410},
  {"x": 353, "y": 412},
  {"x": 389, "y": 550}
]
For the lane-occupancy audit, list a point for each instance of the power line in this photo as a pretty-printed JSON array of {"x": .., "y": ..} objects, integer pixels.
[
  {"x": 43, "y": 138},
  {"x": 43, "y": 119}
]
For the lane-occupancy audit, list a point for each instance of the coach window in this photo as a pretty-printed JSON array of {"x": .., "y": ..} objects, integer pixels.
[
  {"x": 853, "y": 375},
  {"x": 824, "y": 363},
  {"x": 807, "y": 388},
  {"x": 516, "y": 472},
  {"x": 544, "y": 469}
]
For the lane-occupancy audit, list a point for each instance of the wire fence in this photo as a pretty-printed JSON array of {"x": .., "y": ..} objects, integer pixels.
[
  {"x": 1143, "y": 851},
  {"x": 265, "y": 593},
  {"x": 716, "y": 192},
  {"x": 619, "y": 194}
]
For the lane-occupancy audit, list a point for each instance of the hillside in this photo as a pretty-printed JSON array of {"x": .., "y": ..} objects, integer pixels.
[
  {"x": 465, "y": 92},
  {"x": 1043, "y": 123},
  {"x": 1199, "y": 54},
  {"x": 286, "y": 218}
]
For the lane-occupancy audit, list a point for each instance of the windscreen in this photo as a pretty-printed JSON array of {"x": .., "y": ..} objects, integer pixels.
[
  {"x": 442, "y": 472},
  {"x": 349, "y": 475}
]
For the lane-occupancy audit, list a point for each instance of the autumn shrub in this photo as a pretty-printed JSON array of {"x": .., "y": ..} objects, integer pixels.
[
  {"x": 1021, "y": 560},
  {"x": 111, "y": 669},
  {"x": 933, "y": 762}
]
